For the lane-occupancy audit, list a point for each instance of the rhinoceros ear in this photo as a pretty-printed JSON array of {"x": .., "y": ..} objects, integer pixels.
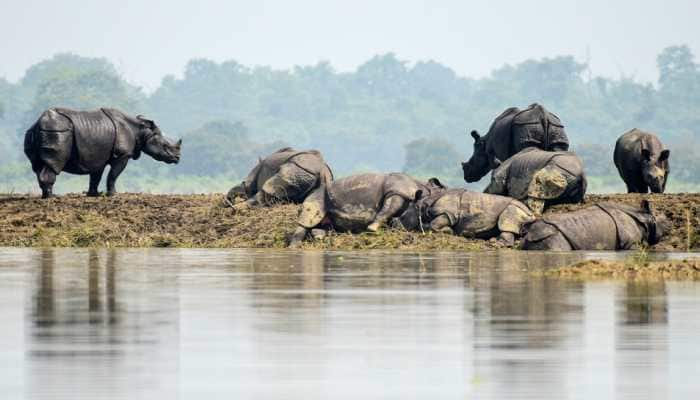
[
  {"x": 664, "y": 155},
  {"x": 497, "y": 162},
  {"x": 179, "y": 143},
  {"x": 646, "y": 155},
  {"x": 146, "y": 122},
  {"x": 418, "y": 195},
  {"x": 646, "y": 206},
  {"x": 476, "y": 135},
  {"x": 436, "y": 182}
]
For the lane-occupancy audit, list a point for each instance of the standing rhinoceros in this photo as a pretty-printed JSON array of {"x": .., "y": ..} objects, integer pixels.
[
  {"x": 85, "y": 142},
  {"x": 511, "y": 132},
  {"x": 286, "y": 175},
  {"x": 469, "y": 214},
  {"x": 540, "y": 178},
  {"x": 359, "y": 202},
  {"x": 603, "y": 226},
  {"x": 642, "y": 162}
]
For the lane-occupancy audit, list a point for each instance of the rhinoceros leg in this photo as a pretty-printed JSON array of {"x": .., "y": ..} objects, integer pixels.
[
  {"x": 46, "y": 178},
  {"x": 95, "y": 179},
  {"x": 392, "y": 205},
  {"x": 441, "y": 224},
  {"x": 115, "y": 169},
  {"x": 313, "y": 211},
  {"x": 512, "y": 220}
]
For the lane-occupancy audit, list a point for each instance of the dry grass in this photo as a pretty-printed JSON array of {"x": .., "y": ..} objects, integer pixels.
[{"x": 145, "y": 220}]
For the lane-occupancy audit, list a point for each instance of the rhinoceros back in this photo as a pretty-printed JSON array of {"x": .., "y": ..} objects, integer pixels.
[
  {"x": 517, "y": 172},
  {"x": 94, "y": 136},
  {"x": 589, "y": 229},
  {"x": 355, "y": 200},
  {"x": 470, "y": 213},
  {"x": 537, "y": 127}
]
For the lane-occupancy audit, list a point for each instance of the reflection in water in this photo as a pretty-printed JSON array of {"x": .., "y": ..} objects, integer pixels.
[
  {"x": 263, "y": 324},
  {"x": 81, "y": 336}
]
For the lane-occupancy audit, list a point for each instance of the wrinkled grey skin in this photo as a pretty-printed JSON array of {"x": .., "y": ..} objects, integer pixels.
[
  {"x": 359, "y": 202},
  {"x": 604, "y": 226},
  {"x": 511, "y": 132},
  {"x": 285, "y": 176},
  {"x": 642, "y": 162},
  {"x": 85, "y": 142},
  {"x": 540, "y": 178},
  {"x": 469, "y": 214}
]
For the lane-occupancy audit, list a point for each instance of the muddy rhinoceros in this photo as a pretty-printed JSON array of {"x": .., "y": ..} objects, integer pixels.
[
  {"x": 359, "y": 202},
  {"x": 511, "y": 132},
  {"x": 466, "y": 213},
  {"x": 642, "y": 162},
  {"x": 603, "y": 226},
  {"x": 540, "y": 178},
  {"x": 85, "y": 142},
  {"x": 285, "y": 176}
]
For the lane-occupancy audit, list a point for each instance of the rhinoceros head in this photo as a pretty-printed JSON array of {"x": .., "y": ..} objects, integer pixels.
[
  {"x": 414, "y": 217},
  {"x": 655, "y": 169},
  {"x": 479, "y": 164},
  {"x": 156, "y": 145}
]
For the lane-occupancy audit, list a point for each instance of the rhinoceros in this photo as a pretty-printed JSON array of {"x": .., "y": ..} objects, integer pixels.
[
  {"x": 284, "y": 176},
  {"x": 603, "y": 226},
  {"x": 540, "y": 178},
  {"x": 85, "y": 142},
  {"x": 642, "y": 162},
  {"x": 359, "y": 202},
  {"x": 466, "y": 213},
  {"x": 511, "y": 132}
]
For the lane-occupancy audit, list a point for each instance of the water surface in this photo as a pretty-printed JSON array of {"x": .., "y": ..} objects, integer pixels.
[{"x": 156, "y": 323}]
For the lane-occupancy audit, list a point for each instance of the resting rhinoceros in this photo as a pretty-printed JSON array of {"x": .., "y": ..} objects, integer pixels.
[
  {"x": 286, "y": 175},
  {"x": 85, "y": 142},
  {"x": 511, "y": 132},
  {"x": 540, "y": 178},
  {"x": 642, "y": 162},
  {"x": 359, "y": 202},
  {"x": 603, "y": 226},
  {"x": 469, "y": 214}
]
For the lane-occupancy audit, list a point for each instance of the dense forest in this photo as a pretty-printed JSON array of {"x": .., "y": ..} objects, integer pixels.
[{"x": 387, "y": 115}]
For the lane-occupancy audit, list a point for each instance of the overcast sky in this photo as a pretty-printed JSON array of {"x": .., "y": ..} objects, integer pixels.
[{"x": 149, "y": 39}]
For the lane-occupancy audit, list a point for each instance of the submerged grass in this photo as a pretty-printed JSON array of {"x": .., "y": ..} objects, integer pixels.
[{"x": 629, "y": 269}]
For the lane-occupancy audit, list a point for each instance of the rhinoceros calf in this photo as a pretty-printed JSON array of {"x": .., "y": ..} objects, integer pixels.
[
  {"x": 604, "y": 226},
  {"x": 359, "y": 202},
  {"x": 511, "y": 132},
  {"x": 540, "y": 178},
  {"x": 469, "y": 214},
  {"x": 85, "y": 142},
  {"x": 284, "y": 176},
  {"x": 642, "y": 162}
]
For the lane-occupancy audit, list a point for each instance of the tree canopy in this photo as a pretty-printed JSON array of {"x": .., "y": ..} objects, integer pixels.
[{"x": 387, "y": 115}]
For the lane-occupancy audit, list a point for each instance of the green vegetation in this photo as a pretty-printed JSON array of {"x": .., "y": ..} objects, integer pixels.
[{"x": 387, "y": 115}]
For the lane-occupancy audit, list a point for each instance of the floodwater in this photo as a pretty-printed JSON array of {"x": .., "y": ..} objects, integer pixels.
[{"x": 239, "y": 324}]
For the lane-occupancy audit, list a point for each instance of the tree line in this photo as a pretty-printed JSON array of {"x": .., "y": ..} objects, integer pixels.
[{"x": 387, "y": 115}]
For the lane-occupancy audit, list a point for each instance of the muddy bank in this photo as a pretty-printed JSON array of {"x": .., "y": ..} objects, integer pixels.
[
  {"x": 145, "y": 220},
  {"x": 631, "y": 269}
]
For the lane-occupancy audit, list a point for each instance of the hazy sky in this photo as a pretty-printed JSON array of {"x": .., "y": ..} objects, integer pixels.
[{"x": 149, "y": 39}]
